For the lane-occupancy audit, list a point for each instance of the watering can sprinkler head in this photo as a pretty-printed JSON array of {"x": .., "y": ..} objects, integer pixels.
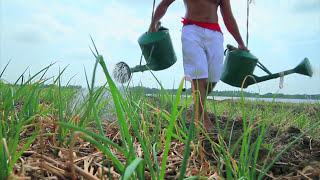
[
  {"x": 122, "y": 72},
  {"x": 239, "y": 64},
  {"x": 304, "y": 68}
]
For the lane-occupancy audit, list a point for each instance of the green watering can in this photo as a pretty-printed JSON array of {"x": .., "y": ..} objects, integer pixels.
[
  {"x": 157, "y": 50},
  {"x": 238, "y": 64}
]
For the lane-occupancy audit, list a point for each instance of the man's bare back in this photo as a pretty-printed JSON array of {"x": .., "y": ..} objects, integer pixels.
[{"x": 202, "y": 10}]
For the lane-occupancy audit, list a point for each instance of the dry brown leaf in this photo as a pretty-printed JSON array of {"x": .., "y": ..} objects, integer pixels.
[
  {"x": 86, "y": 164},
  {"x": 15, "y": 177},
  {"x": 195, "y": 172},
  {"x": 216, "y": 176},
  {"x": 60, "y": 154},
  {"x": 139, "y": 151},
  {"x": 308, "y": 169}
]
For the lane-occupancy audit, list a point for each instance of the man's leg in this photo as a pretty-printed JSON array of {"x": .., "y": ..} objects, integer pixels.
[{"x": 204, "y": 88}]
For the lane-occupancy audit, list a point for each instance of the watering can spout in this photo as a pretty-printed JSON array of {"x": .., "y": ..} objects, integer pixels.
[
  {"x": 304, "y": 68},
  {"x": 139, "y": 68},
  {"x": 240, "y": 64}
]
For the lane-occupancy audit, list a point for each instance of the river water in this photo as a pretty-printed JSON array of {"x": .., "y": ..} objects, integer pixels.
[{"x": 311, "y": 101}]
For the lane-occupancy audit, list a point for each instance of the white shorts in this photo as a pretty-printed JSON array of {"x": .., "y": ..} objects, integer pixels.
[{"x": 202, "y": 51}]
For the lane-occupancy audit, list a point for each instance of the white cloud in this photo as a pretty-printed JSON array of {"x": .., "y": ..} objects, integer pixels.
[
  {"x": 29, "y": 36},
  {"x": 49, "y": 22},
  {"x": 124, "y": 23},
  {"x": 310, "y": 6}
]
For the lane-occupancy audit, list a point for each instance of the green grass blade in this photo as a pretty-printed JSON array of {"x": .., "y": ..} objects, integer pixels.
[
  {"x": 115, "y": 94},
  {"x": 15, "y": 83},
  {"x": 106, "y": 151},
  {"x": 5, "y": 67},
  {"x": 187, "y": 149},
  {"x": 92, "y": 104},
  {"x": 4, "y": 171},
  {"x": 94, "y": 135},
  {"x": 174, "y": 116},
  {"x": 17, "y": 156},
  {"x": 131, "y": 168},
  {"x": 60, "y": 110},
  {"x": 155, "y": 159}
]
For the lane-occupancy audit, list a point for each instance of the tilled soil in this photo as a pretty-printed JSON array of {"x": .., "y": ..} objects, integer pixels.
[
  {"x": 46, "y": 158},
  {"x": 303, "y": 157},
  {"x": 300, "y": 161}
]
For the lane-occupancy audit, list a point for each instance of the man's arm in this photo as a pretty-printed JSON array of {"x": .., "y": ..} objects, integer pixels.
[
  {"x": 231, "y": 23},
  {"x": 159, "y": 13}
]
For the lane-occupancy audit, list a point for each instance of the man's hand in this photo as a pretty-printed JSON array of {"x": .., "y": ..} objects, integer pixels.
[
  {"x": 154, "y": 27},
  {"x": 158, "y": 14},
  {"x": 243, "y": 47}
]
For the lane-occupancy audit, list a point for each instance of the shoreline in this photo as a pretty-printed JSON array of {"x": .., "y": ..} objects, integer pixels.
[{"x": 282, "y": 100}]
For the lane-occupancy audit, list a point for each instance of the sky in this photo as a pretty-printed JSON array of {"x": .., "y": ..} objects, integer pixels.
[{"x": 35, "y": 33}]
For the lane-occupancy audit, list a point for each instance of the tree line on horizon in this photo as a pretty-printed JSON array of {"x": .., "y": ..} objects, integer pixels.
[{"x": 147, "y": 90}]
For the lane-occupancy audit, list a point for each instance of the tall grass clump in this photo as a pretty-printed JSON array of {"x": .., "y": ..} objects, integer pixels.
[
  {"x": 135, "y": 117},
  {"x": 25, "y": 107},
  {"x": 240, "y": 160},
  {"x": 14, "y": 120}
]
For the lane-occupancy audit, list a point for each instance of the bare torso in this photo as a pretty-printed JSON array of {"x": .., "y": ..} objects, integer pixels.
[{"x": 202, "y": 10}]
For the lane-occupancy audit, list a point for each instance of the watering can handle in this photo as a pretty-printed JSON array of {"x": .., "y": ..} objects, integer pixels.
[
  {"x": 261, "y": 66},
  {"x": 230, "y": 47}
]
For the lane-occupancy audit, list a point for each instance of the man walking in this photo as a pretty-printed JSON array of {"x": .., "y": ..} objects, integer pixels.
[{"x": 202, "y": 43}]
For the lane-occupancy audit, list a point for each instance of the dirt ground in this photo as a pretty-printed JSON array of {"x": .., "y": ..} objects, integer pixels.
[
  {"x": 45, "y": 158},
  {"x": 300, "y": 161},
  {"x": 301, "y": 158}
]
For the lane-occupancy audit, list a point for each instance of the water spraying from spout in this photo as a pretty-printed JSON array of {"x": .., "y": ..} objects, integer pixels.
[{"x": 316, "y": 71}]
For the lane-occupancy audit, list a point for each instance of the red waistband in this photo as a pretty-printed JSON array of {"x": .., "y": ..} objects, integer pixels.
[{"x": 212, "y": 26}]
